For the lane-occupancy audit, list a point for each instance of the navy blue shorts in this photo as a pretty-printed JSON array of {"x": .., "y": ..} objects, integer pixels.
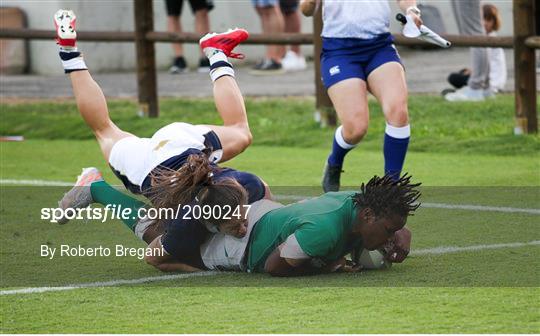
[
  {"x": 344, "y": 58},
  {"x": 185, "y": 235}
]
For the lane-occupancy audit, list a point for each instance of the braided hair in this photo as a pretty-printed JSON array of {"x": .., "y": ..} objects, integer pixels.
[{"x": 386, "y": 196}]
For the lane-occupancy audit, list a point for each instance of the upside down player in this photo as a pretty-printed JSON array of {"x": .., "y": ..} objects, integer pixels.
[
  {"x": 178, "y": 163},
  {"x": 307, "y": 237},
  {"x": 358, "y": 56}
]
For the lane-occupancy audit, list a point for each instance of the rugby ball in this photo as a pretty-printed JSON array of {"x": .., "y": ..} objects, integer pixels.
[{"x": 373, "y": 260}]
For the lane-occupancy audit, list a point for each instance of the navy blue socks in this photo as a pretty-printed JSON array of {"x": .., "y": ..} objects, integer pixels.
[
  {"x": 396, "y": 142},
  {"x": 340, "y": 148}
]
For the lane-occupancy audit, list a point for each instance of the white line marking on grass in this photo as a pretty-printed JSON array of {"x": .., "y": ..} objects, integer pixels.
[
  {"x": 439, "y": 206},
  {"x": 112, "y": 283},
  {"x": 480, "y": 208},
  {"x": 456, "y": 249},
  {"x": 42, "y": 183}
]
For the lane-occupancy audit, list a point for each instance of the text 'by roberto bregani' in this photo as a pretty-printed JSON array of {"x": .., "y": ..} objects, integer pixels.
[{"x": 100, "y": 251}]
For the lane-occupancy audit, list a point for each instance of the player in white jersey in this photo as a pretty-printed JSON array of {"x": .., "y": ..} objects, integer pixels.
[
  {"x": 179, "y": 160},
  {"x": 358, "y": 56}
]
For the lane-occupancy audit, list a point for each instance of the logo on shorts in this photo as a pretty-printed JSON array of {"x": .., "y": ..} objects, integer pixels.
[{"x": 334, "y": 70}]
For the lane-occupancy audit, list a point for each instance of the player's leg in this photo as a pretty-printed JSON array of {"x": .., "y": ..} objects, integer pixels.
[
  {"x": 93, "y": 108},
  {"x": 235, "y": 135},
  {"x": 89, "y": 96},
  {"x": 345, "y": 79},
  {"x": 387, "y": 83},
  {"x": 349, "y": 98},
  {"x": 91, "y": 188}
]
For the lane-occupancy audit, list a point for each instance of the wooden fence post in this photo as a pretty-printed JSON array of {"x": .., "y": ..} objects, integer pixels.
[
  {"x": 146, "y": 59},
  {"x": 525, "y": 72},
  {"x": 323, "y": 104}
]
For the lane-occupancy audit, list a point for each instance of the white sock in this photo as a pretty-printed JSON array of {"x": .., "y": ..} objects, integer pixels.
[
  {"x": 217, "y": 56},
  {"x": 340, "y": 140},
  {"x": 72, "y": 60},
  {"x": 219, "y": 64},
  {"x": 398, "y": 132}
]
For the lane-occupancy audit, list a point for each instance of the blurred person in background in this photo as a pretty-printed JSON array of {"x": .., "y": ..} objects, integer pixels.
[
  {"x": 293, "y": 59},
  {"x": 497, "y": 61},
  {"x": 469, "y": 20},
  {"x": 272, "y": 22},
  {"x": 200, "y": 9}
]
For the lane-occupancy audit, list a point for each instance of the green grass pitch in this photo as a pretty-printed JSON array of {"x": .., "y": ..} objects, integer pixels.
[{"x": 463, "y": 153}]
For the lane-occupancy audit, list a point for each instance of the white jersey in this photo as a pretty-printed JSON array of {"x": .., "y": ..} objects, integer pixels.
[
  {"x": 364, "y": 19},
  {"x": 224, "y": 252},
  {"x": 135, "y": 157}
]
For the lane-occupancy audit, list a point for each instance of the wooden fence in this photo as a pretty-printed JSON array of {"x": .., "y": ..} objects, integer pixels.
[{"x": 524, "y": 42}]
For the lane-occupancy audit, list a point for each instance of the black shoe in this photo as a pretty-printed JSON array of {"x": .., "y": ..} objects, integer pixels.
[
  {"x": 179, "y": 66},
  {"x": 267, "y": 67},
  {"x": 331, "y": 177},
  {"x": 204, "y": 65}
]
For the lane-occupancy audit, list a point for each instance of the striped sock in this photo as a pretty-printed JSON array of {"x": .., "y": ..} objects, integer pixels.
[
  {"x": 72, "y": 60},
  {"x": 220, "y": 66}
]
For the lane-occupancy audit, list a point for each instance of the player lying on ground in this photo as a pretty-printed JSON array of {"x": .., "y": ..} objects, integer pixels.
[
  {"x": 303, "y": 238},
  {"x": 177, "y": 164}
]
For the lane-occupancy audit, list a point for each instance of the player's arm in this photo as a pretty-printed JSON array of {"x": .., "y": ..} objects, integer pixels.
[
  {"x": 288, "y": 267},
  {"x": 309, "y": 7},
  {"x": 164, "y": 261},
  {"x": 409, "y": 8},
  {"x": 288, "y": 259}
]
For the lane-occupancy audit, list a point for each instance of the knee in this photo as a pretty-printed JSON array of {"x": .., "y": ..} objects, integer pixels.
[
  {"x": 245, "y": 138},
  {"x": 353, "y": 133},
  {"x": 397, "y": 114}
]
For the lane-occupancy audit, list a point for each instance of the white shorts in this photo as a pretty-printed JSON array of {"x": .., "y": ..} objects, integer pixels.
[
  {"x": 134, "y": 158},
  {"x": 224, "y": 252}
]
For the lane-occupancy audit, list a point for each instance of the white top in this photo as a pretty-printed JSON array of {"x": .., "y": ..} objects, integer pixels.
[
  {"x": 364, "y": 19},
  {"x": 225, "y": 252},
  {"x": 497, "y": 67}
]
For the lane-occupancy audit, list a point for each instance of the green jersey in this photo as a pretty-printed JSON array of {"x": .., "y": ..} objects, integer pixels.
[{"x": 321, "y": 226}]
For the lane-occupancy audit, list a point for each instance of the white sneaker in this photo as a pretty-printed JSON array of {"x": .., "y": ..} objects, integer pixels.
[
  {"x": 80, "y": 195},
  {"x": 293, "y": 62},
  {"x": 490, "y": 93},
  {"x": 465, "y": 94}
]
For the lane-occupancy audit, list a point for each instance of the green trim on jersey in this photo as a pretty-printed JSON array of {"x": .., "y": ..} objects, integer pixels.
[{"x": 321, "y": 226}]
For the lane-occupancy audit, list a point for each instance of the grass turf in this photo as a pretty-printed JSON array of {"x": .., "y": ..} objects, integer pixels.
[
  {"x": 488, "y": 291},
  {"x": 437, "y": 126}
]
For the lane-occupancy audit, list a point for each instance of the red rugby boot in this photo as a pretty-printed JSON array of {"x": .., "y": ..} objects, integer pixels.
[
  {"x": 225, "y": 42},
  {"x": 64, "y": 22}
]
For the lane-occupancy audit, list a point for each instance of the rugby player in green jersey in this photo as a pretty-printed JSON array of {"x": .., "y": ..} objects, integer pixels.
[
  {"x": 314, "y": 236},
  {"x": 311, "y": 236}
]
